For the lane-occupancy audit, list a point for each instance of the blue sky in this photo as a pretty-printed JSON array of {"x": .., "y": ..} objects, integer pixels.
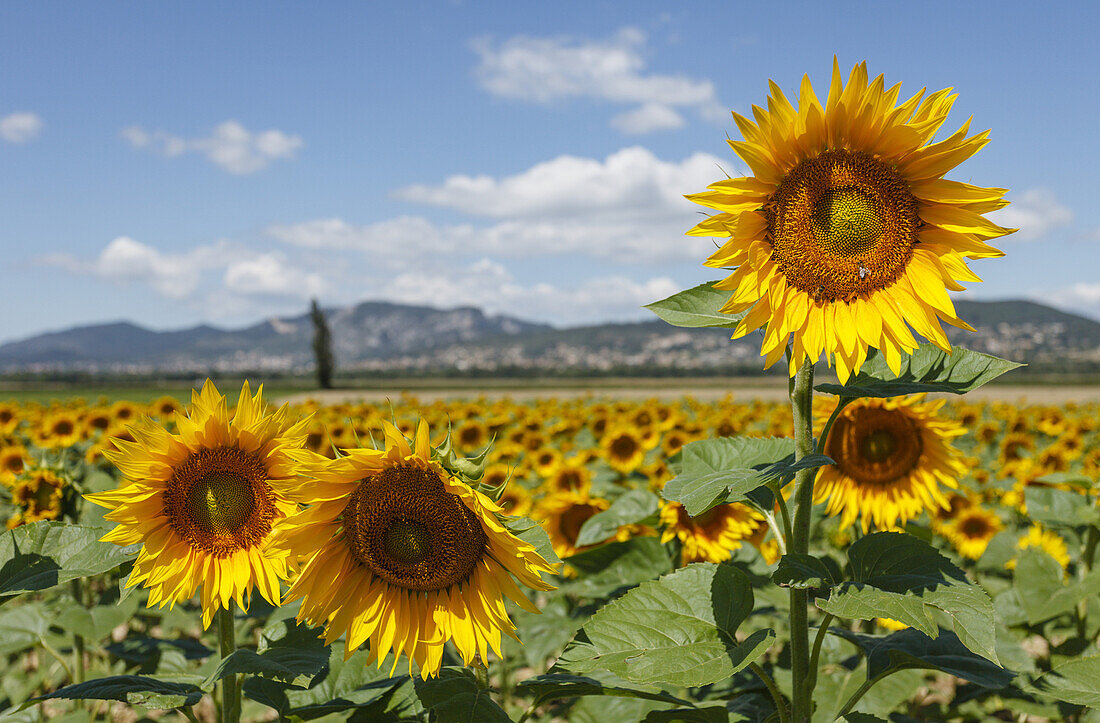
[{"x": 221, "y": 163}]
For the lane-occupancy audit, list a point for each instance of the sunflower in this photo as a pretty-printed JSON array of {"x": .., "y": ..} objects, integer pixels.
[
  {"x": 59, "y": 428},
  {"x": 891, "y": 457},
  {"x": 624, "y": 448},
  {"x": 971, "y": 530},
  {"x": 847, "y": 229},
  {"x": 1051, "y": 543},
  {"x": 203, "y": 500},
  {"x": 571, "y": 474},
  {"x": 39, "y": 494},
  {"x": 9, "y": 418},
  {"x": 564, "y": 514},
  {"x": 12, "y": 461},
  {"x": 713, "y": 535},
  {"x": 407, "y": 556},
  {"x": 471, "y": 436}
]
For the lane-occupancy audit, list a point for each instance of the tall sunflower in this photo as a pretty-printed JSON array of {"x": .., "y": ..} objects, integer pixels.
[
  {"x": 203, "y": 501},
  {"x": 846, "y": 229},
  {"x": 406, "y": 556},
  {"x": 891, "y": 457}
]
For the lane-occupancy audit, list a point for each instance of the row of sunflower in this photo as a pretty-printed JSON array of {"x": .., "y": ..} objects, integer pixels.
[{"x": 374, "y": 540}]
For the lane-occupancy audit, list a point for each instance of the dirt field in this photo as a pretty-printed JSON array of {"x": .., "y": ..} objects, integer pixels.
[{"x": 644, "y": 389}]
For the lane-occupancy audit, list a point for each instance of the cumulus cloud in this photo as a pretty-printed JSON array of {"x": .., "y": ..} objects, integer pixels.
[
  {"x": 544, "y": 70},
  {"x": 20, "y": 127},
  {"x": 1036, "y": 212},
  {"x": 230, "y": 145},
  {"x": 271, "y": 275},
  {"x": 1083, "y": 297}
]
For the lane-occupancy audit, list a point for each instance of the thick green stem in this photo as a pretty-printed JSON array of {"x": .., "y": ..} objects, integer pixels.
[
  {"x": 802, "y": 397},
  {"x": 231, "y": 690},
  {"x": 78, "y": 639}
]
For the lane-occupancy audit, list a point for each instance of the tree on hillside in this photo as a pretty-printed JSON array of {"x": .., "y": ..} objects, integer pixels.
[{"x": 322, "y": 346}]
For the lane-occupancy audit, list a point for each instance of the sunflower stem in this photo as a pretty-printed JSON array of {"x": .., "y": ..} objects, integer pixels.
[
  {"x": 802, "y": 396},
  {"x": 231, "y": 691},
  {"x": 777, "y": 697},
  {"x": 78, "y": 639}
]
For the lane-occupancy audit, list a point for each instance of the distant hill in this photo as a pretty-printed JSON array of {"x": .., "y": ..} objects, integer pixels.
[{"x": 377, "y": 336}]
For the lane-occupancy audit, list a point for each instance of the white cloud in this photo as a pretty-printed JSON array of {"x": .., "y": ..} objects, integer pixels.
[
  {"x": 648, "y": 118},
  {"x": 271, "y": 275},
  {"x": 230, "y": 145},
  {"x": 1035, "y": 212},
  {"x": 628, "y": 182},
  {"x": 20, "y": 127},
  {"x": 1082, "y": 297},
  {"x": 125, "y": 260},
  {"x": 543, "y": 70}
]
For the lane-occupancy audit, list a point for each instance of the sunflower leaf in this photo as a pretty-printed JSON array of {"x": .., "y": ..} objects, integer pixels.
[
  {"x": 456, "y": 696},
  {"x": 928, "y": 369},
  {"x": 727, "y": 469},
  {"x": 696, "y": 307},
  {"x": 556, "y": 686},
  {"x": 799, "y": 571},
  {"x": 133, "y": 689},
  {"x": 287, "y": 664},
  {"x": 910, "y": 648},
  {"x": 1059, "y": 508},
  {"x": 678, "y": 630},
  {"x": 1041, "y": 590},
  {"x": 1075, "y": 681},
  {"x": 897, "y": 576},
  {"x": 629, "y": 508},
  {"x": 45, "y": 553},
  {"x": 609, "y": 568}
]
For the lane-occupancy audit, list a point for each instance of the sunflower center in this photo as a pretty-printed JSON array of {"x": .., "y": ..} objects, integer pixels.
[
  {"x": 408, "y": 529},
  {"x": 974, "y": 527},
  {"x": 64, "y": 427},
  {"x": 408, "y": 542},
  {"x": 842, "y": 224},
  {"x": 623, "y": 447},
  {"x": 221, "y": 503},
  {"x": 878, "y": 446},
  {"x": 219, "y": 500},
  {"x": 573, "y": 519},
  {"x": 875, "y": 446}
]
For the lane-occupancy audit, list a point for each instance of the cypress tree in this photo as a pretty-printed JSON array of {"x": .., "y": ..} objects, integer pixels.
[{"x": 322, "y": 346}]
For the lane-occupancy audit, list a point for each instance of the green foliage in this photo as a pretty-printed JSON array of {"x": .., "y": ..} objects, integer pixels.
[
  {"x": 928, "y": 369},
  {"x": 913, "y": 649},
  {"x": 897, "y": 576},
  {"x": 678, "y": 630},
  {"x": 43, "y": 554},
  {"x": 1041, "y": 590},
  {"x": 322, "y": 346},
  {"x": 1074, "y": 681},
  {"x": 609, "y": 568},
  {"x": 799, "y": 570},
  {"x": 531, "y": 532},
  {"x": 456, "y": 696},
  {"x": 696, "y": 307},
  {"x": 553, "y": 686},
  {"x": 630, "y": 508},
  {"x": 140, "y": 690},
  {"x": 728, "y": 469}
]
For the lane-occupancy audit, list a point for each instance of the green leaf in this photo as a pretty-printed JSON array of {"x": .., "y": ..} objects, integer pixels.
[
  {"x": 557, "y": 685},
  {"x": 1041, "y": 589},
  {"x": 455, "y": 696},
  {"x": 928, "y": 369},
  {"x": 679, "y": 630},
  {"x": 725, "y": 470},
  {"x": 708, "y": 714},
  {"x": 1059, "y": 508},
  {"x": 913, "y": 649},
  {"x": 629, "y": 508},
  {"x": 895, "y": 575},
  {"x": 288, "y": 665},
  {"x": 612, "y": 567},
  {"x": 132, "y": 689},
  {"x": 802, "y": 571},
  {"x": 863, "y": 718},
  {"x": 43, "y": 554},
  {"x": 1075, "y": 681},
  {"x": 697, "y": 307},
  {"x": 531, "y": 532}
]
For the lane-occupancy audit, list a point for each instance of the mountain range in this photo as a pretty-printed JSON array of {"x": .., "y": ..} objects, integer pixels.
[{"x": 379, "y": 336}]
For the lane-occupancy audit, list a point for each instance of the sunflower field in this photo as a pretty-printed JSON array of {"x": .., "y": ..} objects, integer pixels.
[{"x": 877, "y": 549}]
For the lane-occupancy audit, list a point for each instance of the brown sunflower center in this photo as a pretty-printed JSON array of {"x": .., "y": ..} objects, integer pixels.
[
  {"x": 409, "y": 530},
  {"x": 13, "y": 462},
  {"x": 975, "y": 527},
  {"x": 573, "y": 519},
  {"x": 63, "y": 427},
  {"x": 874, "y": 445},
  {"x": 219, "y": 500},
  {"x": 842, "y": 224},
  {"x": 623, "y": 447}
]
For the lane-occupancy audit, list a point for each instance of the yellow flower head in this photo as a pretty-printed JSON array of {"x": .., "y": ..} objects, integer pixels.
[
  {"x": 713, "y": 535},
  {"x": 891, "y": 457},
  {"x": 203, "y": 501},
  {"x": 846, "y": 230},
  {"x": 406, "y": 555}
]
